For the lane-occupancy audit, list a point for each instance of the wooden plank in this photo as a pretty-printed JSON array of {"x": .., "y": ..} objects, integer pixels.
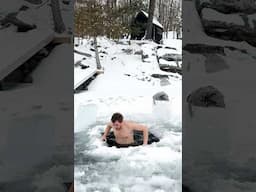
[
  {"x": 17, "y": 48},
  {"x": 99, "y": 71},
  {"x": 64, "y": 38},
  {"x": 82, "y": 75}
]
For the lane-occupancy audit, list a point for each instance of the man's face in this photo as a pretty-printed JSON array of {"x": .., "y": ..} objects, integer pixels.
[{"x": 117, "y": 125}]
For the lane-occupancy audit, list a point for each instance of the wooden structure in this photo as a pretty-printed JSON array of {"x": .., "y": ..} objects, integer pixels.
[
  {"x": 139, "y": 26},
  {"x": 18, "y": 48}
]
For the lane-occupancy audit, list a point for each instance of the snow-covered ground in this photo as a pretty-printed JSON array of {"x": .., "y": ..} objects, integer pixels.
[
  {"x": 26, "y": 44},
  {"x": 127, "y": 86},
  {"x": 38, "y": 124},
  {"x": 36, "y": 129},
  {"x": 218, "y": 144}
]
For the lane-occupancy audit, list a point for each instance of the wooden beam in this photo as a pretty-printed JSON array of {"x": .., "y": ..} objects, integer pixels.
[{"x": 65, "y": 38}]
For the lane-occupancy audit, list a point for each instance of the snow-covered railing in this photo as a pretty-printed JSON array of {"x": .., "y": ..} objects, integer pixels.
[{"x": 82, "y": 75}]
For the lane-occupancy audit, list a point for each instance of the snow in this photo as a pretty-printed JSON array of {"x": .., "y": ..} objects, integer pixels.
[
  {"x": 197, "y": 35},
  {"x": 170, "y": 53},
  {"x": 10, "y": 6},
  {"x": 27, "y": 121},
  {"x": 162, "y": 51},
  {"x": 171, "y": 36},
  {"x": 176, "y": 43},
  {"x": 218, "y": 135},
  {"x": 212, "y": 15},
  {"x": 81, "y": 75},
  {"x": 127, "y": 86},
  {"x": 251, "y": 20},
  {"x": 23, "y": 117},
  {"x": 33, "y": 39}
]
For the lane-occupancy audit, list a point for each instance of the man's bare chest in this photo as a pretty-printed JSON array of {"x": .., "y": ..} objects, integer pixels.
[{"x": 123, "y": 133}]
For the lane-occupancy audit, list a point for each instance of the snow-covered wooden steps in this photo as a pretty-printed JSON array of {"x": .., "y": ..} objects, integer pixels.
[
  {"x": 82, "y": 75},
  {"x": 17, "y": 49}
]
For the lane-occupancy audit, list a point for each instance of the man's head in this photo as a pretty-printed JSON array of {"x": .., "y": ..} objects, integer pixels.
[{"x": 117, "y": 120}]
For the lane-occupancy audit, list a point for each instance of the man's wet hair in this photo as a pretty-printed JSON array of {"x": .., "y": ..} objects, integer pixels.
[{"x": 117, "y": 117}]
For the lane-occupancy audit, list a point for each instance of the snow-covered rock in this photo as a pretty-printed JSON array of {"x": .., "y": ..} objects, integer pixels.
[
  {"x": 207, "y": 96},
  {"x": 234, "y": 26},
  {"x": 228, "y": 20},
  {"x": 228, "y": 6},
  {"x": 36, "y": 2}
]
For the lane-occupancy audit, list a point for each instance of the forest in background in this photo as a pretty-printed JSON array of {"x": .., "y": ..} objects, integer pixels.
[{"x": 112, "y": 18}]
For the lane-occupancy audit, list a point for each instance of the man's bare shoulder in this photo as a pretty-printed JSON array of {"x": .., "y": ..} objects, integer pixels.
[
  {"x": 127, "y": 121},
  {"x": 134, "y": 125},
  {"x": 130, "y": 123}
]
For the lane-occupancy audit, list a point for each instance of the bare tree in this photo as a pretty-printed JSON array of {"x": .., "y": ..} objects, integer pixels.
[
  {"x": 89, "y": 21},
  {"x": 169, "y": 15},
  {"x": 95, "y": 18}
]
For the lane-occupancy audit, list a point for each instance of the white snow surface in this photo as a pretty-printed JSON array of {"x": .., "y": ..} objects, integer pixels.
[
  {"x": 228, "y": 153},
  {"x": 42, "y": 114},
  {"x": 156, "y": 167}
]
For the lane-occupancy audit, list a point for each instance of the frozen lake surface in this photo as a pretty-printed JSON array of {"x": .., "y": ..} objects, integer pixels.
[
  {"x": 156, "y": 167},
  {"x": 127, "y": 86}
]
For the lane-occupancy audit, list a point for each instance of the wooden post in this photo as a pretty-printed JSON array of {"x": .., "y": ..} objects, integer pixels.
[
  {"x": 59, "y": 26},
  {"x": 97, "y": 53}
]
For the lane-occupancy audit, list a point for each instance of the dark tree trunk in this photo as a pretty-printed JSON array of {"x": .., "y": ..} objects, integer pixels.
[{"x": 150, "y": 19}]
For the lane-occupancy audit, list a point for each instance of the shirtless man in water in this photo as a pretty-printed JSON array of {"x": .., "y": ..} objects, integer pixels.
[{"x": 123, "y": 130}]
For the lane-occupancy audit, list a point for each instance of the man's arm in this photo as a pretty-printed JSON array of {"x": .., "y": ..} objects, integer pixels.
[
  {"x": 143, "y": 128},
  {"x": 107, "y": 130}
]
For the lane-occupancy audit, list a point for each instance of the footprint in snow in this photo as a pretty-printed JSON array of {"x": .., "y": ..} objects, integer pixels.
[
  {"x": 3, "y": 109},
  {"x": 65, "y": 108},
  {"x": 37, "y": 107},
  {"x": 100, "y": 99},
  {"x": 15, "y": 114}
]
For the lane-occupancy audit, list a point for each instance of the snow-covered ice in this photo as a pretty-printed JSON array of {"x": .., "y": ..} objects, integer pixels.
[
  {"x": 127, "y": 86},
  {"x": 35, "y": 117}
]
